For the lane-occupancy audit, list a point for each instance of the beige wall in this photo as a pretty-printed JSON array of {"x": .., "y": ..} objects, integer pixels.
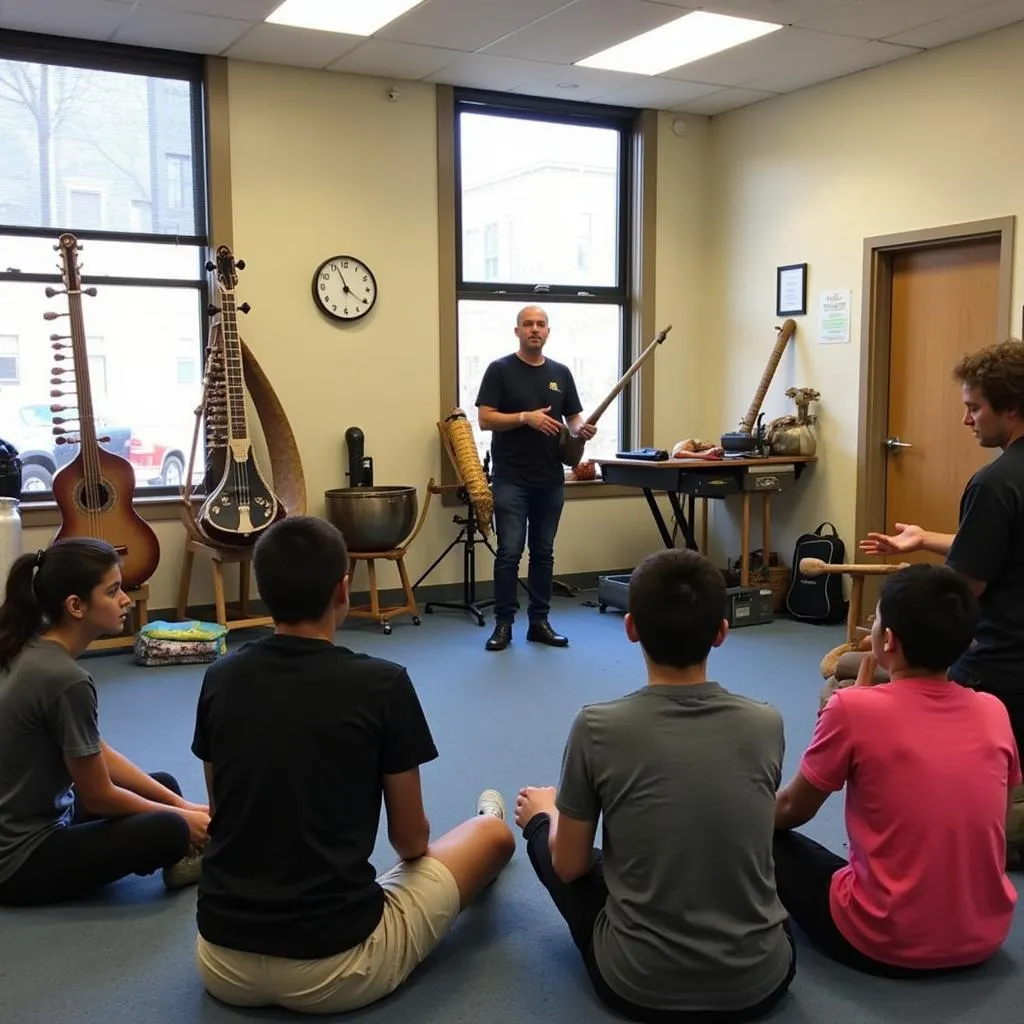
[
  {"x": 928, "y": 141},
  {"x": 323, "y": 164}
]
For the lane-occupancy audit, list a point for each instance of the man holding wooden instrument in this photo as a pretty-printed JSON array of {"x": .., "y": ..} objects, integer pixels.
[
  {"x": 988, "y": 546},
  {"x": 523, "y": 399}
]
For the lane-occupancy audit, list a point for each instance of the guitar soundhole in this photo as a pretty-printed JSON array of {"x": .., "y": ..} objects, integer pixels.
[{"x": 97, "y": 497}]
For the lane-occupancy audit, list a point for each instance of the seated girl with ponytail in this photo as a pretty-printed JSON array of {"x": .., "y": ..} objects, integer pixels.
[{"x": 74, "y": 814}]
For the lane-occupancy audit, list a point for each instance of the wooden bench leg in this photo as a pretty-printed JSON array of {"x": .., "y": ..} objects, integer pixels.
[
  {"x": 410, "y": 598},
  {"x": 186, "y": 579},
  {"x": 371, "y": 569},
  {"x": 218, "y": 592}
]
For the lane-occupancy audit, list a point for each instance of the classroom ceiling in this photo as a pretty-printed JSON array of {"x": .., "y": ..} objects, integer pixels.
[{"x": 529, "y": 46}]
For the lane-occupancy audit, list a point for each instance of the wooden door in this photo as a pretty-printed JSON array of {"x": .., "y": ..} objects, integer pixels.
[{"x": 944, "y": 304}]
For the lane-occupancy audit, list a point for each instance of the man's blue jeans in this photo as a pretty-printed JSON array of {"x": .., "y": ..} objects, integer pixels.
[{"x": 521, "y": 514}]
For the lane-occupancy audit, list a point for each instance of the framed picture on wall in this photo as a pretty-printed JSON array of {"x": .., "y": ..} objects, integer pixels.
[{"x": 791, "y": 290}]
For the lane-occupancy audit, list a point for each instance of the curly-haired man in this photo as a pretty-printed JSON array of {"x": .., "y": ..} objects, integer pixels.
[{"x": 988, "y": 546}]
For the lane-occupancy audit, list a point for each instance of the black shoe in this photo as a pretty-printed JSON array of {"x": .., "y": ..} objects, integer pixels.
[
  {"x": 542, "y": 633},
  {"x": 501, "y": 637}
]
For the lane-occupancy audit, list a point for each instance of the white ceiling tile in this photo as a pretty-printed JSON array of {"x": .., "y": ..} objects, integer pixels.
[
  {"x": 465, "y": 24},
  {"x": 878, "y": 19},
  {"x": 868, "y": 54},
  {"x": 179, "y": 30},
  {"x": 583, "y": 28},
  {"x": 781, "y": 12},
  {"x": 475, "y": 71},
  {"x": 962, "y": 26},
  {"x": 84, "y": 19},
  {"x": 658, "y": 93},
  {"x": 297, "y": 47},
  {"x": 778, "y": 52},
  {"x": 380, "y": 57},
  {"x": 240, "y": 10},
  {"x": 722, "y": 101}
]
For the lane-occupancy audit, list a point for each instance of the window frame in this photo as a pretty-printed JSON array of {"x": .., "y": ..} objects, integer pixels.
[
  {"x": 637, "y": 209},
  {"x": 167, "y": 64}
]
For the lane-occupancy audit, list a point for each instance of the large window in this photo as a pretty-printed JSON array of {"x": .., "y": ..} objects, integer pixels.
[
  {"x": 544, "y": 217},
  {"x": 106, "y": 143}
]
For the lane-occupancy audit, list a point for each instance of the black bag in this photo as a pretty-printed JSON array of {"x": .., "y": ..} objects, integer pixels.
[{"x": 818, "y": 599}]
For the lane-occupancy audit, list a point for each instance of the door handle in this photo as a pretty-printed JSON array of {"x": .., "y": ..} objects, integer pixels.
[{"x": 894, "y": 444}]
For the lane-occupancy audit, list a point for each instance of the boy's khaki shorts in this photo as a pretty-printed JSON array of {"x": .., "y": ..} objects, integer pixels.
[{"x": 421, "y": 902}]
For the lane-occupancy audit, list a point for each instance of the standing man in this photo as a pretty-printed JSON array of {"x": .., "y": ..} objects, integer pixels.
[
  {"x": 988, "y": 546},
  {"x": 523, "y": 399}
]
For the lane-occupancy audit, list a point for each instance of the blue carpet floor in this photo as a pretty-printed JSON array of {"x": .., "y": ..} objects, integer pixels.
[{"x": 125, "y": 957}]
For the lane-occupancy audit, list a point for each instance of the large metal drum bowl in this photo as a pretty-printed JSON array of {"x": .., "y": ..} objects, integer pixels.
[{"x": 372, "y": 518}]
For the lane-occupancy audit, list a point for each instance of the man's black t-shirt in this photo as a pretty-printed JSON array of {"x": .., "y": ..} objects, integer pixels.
[
  {"x": 525, "y": 456},
  {"x": 989, "y": 546},
  {"x": 299, "y": 733}
]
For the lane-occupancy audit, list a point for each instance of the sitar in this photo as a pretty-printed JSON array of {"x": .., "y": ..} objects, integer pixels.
[
  {"x": 570, "y": 446},
  {"x": 96, "y": 490},
  {"x": 742, "y": 440},
  {"x": 241, "y": 504}
]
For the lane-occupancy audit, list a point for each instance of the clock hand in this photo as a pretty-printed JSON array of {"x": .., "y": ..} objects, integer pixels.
[{"x": 344, "y": 283}]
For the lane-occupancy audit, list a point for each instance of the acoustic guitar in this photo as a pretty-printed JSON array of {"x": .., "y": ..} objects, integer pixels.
[
  {"x": 95, "y": 491},
  {"x": 570, "y": 447},
  {"x": 242, "y": 504}
]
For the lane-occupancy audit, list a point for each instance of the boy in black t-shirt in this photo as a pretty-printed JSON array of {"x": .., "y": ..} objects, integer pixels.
[{"x": 301, "y": 740}]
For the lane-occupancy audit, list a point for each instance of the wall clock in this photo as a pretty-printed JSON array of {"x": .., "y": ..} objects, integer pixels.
[{"x": 344, "y": 288}]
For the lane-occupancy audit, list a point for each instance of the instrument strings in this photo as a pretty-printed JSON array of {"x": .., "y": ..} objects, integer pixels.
[{"x": 236, "y": 395}]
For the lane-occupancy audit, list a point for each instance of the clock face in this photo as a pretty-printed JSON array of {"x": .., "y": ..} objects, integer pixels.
[{"x": 344, "y": 288}]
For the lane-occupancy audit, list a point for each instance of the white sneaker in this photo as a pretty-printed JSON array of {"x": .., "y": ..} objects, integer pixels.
[
  {"x": 490, "y": 802},
  {"x": 185, "y": 872}
]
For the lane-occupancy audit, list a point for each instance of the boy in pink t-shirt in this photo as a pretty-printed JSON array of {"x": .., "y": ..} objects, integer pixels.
[{"x": 928, "y": 767}]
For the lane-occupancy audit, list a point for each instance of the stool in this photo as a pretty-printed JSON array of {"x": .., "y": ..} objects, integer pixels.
[
  {"x": 242, "y": 618},
  {"x": 373, "y": 610},
  {"x": 139, "y": 617}
]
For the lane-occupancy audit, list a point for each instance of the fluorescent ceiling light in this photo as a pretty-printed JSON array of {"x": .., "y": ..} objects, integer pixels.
[
  {"x": 682, "y": 41},
  {"x": 353, "y": 17}
]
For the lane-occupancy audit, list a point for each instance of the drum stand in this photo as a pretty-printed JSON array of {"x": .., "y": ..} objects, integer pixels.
[{"x": 469, "y": 536}]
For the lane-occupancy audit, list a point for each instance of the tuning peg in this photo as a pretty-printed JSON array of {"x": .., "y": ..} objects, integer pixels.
[
  {"x": 103, "y": 440},
  {"x": 91, "y": 292},
  {"x": 61, "y": 419},
  {"x": 59, "y": 359},
  {"x": 58, "y": 408},
  {"x": 59, "y": 337},
  {"x": 50, "y": 315},
  {"x": 212, "y": 310},
  {"x": 210, "y": 265},
  {"x": 51, "y": 292},
  {"x": 244, "y": 307},
  {"x": 240, "y": 264},
  {"x": 58, "y": 394},
  {"x": 68, "y": 440}
]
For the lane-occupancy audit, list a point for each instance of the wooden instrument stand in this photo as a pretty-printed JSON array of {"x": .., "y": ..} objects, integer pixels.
[
  {"x": 241, "y": 616},
  {"x": 374, "y": 610}
]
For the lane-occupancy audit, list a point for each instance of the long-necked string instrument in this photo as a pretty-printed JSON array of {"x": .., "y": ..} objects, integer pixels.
[
  {"x": 570, "y": 447},
  {"x": 94, "y": 491},
  {"x": 241, "y": 504},
  {"x": 857, "y": 573},
  {"x": 743, "y": 440}
]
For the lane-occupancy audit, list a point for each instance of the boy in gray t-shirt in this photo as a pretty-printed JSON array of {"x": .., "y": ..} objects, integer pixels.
[{"x": 677, "y": 914}]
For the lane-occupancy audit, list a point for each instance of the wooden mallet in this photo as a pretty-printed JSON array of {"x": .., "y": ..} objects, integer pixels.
[{"x": 816, "y": 567}]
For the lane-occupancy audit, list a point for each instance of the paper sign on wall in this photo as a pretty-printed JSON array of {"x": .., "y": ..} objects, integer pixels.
[{"x": 834, "y": 317}]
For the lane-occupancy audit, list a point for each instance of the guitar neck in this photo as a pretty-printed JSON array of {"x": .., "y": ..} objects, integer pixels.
[
  {"x": 626, "y": 377},
  {"x": 238, "y": 426},
  {"x": 87, "y": 442},
  {"x": 785, "y": 333}
]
